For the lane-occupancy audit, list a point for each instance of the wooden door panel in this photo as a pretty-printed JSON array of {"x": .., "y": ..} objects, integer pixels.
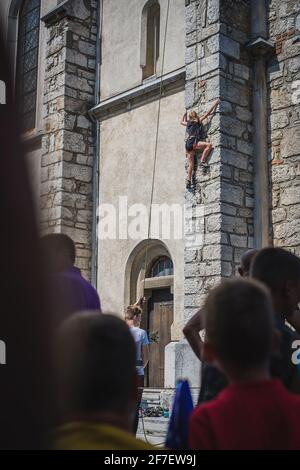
[
  {"x": 160, "y": 319},
  {"x": 154, "y": 325}
]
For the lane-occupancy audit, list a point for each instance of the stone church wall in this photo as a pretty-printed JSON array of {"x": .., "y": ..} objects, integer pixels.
[
  {"x": 222, "y": 205},
  {"x": 68, "y": 142},
  {"x": 284, "y": 125}
]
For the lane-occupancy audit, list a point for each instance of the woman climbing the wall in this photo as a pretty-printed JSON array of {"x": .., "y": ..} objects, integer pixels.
[{"x": 194, "y": 129}]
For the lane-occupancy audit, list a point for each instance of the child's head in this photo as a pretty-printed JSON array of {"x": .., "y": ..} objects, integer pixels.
[
  {"x": 193, "y": 116},
  {"x": 133, "y": 314},
  {"x": 279, "y": 270},
  {"x": 96, "y": 367},
  {"x": 239, "y": 327}
]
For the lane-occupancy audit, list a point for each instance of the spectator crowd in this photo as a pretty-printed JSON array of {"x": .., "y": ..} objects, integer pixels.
[{"x": 250, "y": 384}]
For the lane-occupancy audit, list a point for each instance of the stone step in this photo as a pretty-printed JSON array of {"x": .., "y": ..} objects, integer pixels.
[
  {"x": 151, "y": 393},
  {"x": 152, "y": 404},
  {"x": 153, "y": 427},
  {"x": 152, "y": 397},
  {"x": 159, "y": 424}
]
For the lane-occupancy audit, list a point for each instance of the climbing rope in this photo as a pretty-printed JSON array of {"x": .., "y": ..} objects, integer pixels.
[
  {"x": 198, "y": 58},
  {"x": 156, "y": 141},
  {"x": 145, "y": 434},
  {"x": 198, "y": 65},
  {"x": 141, "y": 416},
  {"x": 153, "y": 177},
  {"x": 198, "y": 62}
]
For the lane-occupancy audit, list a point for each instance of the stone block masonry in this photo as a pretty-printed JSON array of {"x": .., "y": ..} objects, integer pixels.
[
  {"x": 284, "y": 126},
  {"x": 225, "y": 190},
  {"x": 68, "y": 142}
]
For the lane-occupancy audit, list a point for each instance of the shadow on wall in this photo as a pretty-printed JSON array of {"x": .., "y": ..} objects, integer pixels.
[{"x": 26, "y": 406}]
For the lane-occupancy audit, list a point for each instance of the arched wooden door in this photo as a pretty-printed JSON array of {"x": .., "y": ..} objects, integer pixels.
[{"x": 160, "y": 319}]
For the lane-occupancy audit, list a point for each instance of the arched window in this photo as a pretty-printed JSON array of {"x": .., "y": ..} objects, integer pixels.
[
  {"x": 150, "y": 38},
  {"x": 27, "y": 61},
  {"x": 162, "y": 267}
]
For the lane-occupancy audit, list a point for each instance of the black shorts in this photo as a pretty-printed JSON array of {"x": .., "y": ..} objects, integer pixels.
[{"x": 191, "y": 141}]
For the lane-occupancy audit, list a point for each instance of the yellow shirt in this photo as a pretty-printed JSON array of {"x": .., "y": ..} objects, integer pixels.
[{"x": 95, "y": 436}]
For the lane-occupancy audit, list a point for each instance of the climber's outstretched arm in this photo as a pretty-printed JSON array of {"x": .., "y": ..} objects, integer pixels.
[
  {"x": 183, "y": 120},
  {"x": 210, "y": 110}
]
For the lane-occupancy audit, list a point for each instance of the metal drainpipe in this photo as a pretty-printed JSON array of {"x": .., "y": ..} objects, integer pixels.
[
  {"x": 94, "y": 269},
  {"x": 260, "y": 47}
]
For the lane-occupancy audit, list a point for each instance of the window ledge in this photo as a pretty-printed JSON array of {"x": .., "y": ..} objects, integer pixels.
[
  {"x": 159, "y": 282},
  {"x": 32, "y": 138},
  {"x": 150, "y": 79},
  {"x": 57, "y": 13},
  {"x": 148, "y": 91}
]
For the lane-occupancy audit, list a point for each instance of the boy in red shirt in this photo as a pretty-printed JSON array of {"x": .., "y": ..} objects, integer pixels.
[{"x": 254, "y": 411}]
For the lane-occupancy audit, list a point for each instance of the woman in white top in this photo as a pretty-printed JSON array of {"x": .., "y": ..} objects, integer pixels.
[{"x": 133, "y": 320}]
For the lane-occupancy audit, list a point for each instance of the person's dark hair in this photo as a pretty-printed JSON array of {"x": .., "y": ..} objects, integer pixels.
[
  {"x": 97, "y": 358},
  {"x": 239, "y": 320},
  {"x": 246, "y": 261},
  {"x": 274, "y": 267},
  {"x": 59, "y": 243}
]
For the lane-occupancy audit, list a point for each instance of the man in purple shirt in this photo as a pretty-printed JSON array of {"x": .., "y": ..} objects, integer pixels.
[{"x": 68, "y": 291}]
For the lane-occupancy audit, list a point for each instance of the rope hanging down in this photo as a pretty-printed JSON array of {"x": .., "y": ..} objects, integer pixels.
[
  {"x": 198, "y": 58},
  {"x": 156, "y": 141}
]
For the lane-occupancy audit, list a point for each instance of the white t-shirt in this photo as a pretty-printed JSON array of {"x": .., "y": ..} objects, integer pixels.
[{"x": 140, "y": 337}]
